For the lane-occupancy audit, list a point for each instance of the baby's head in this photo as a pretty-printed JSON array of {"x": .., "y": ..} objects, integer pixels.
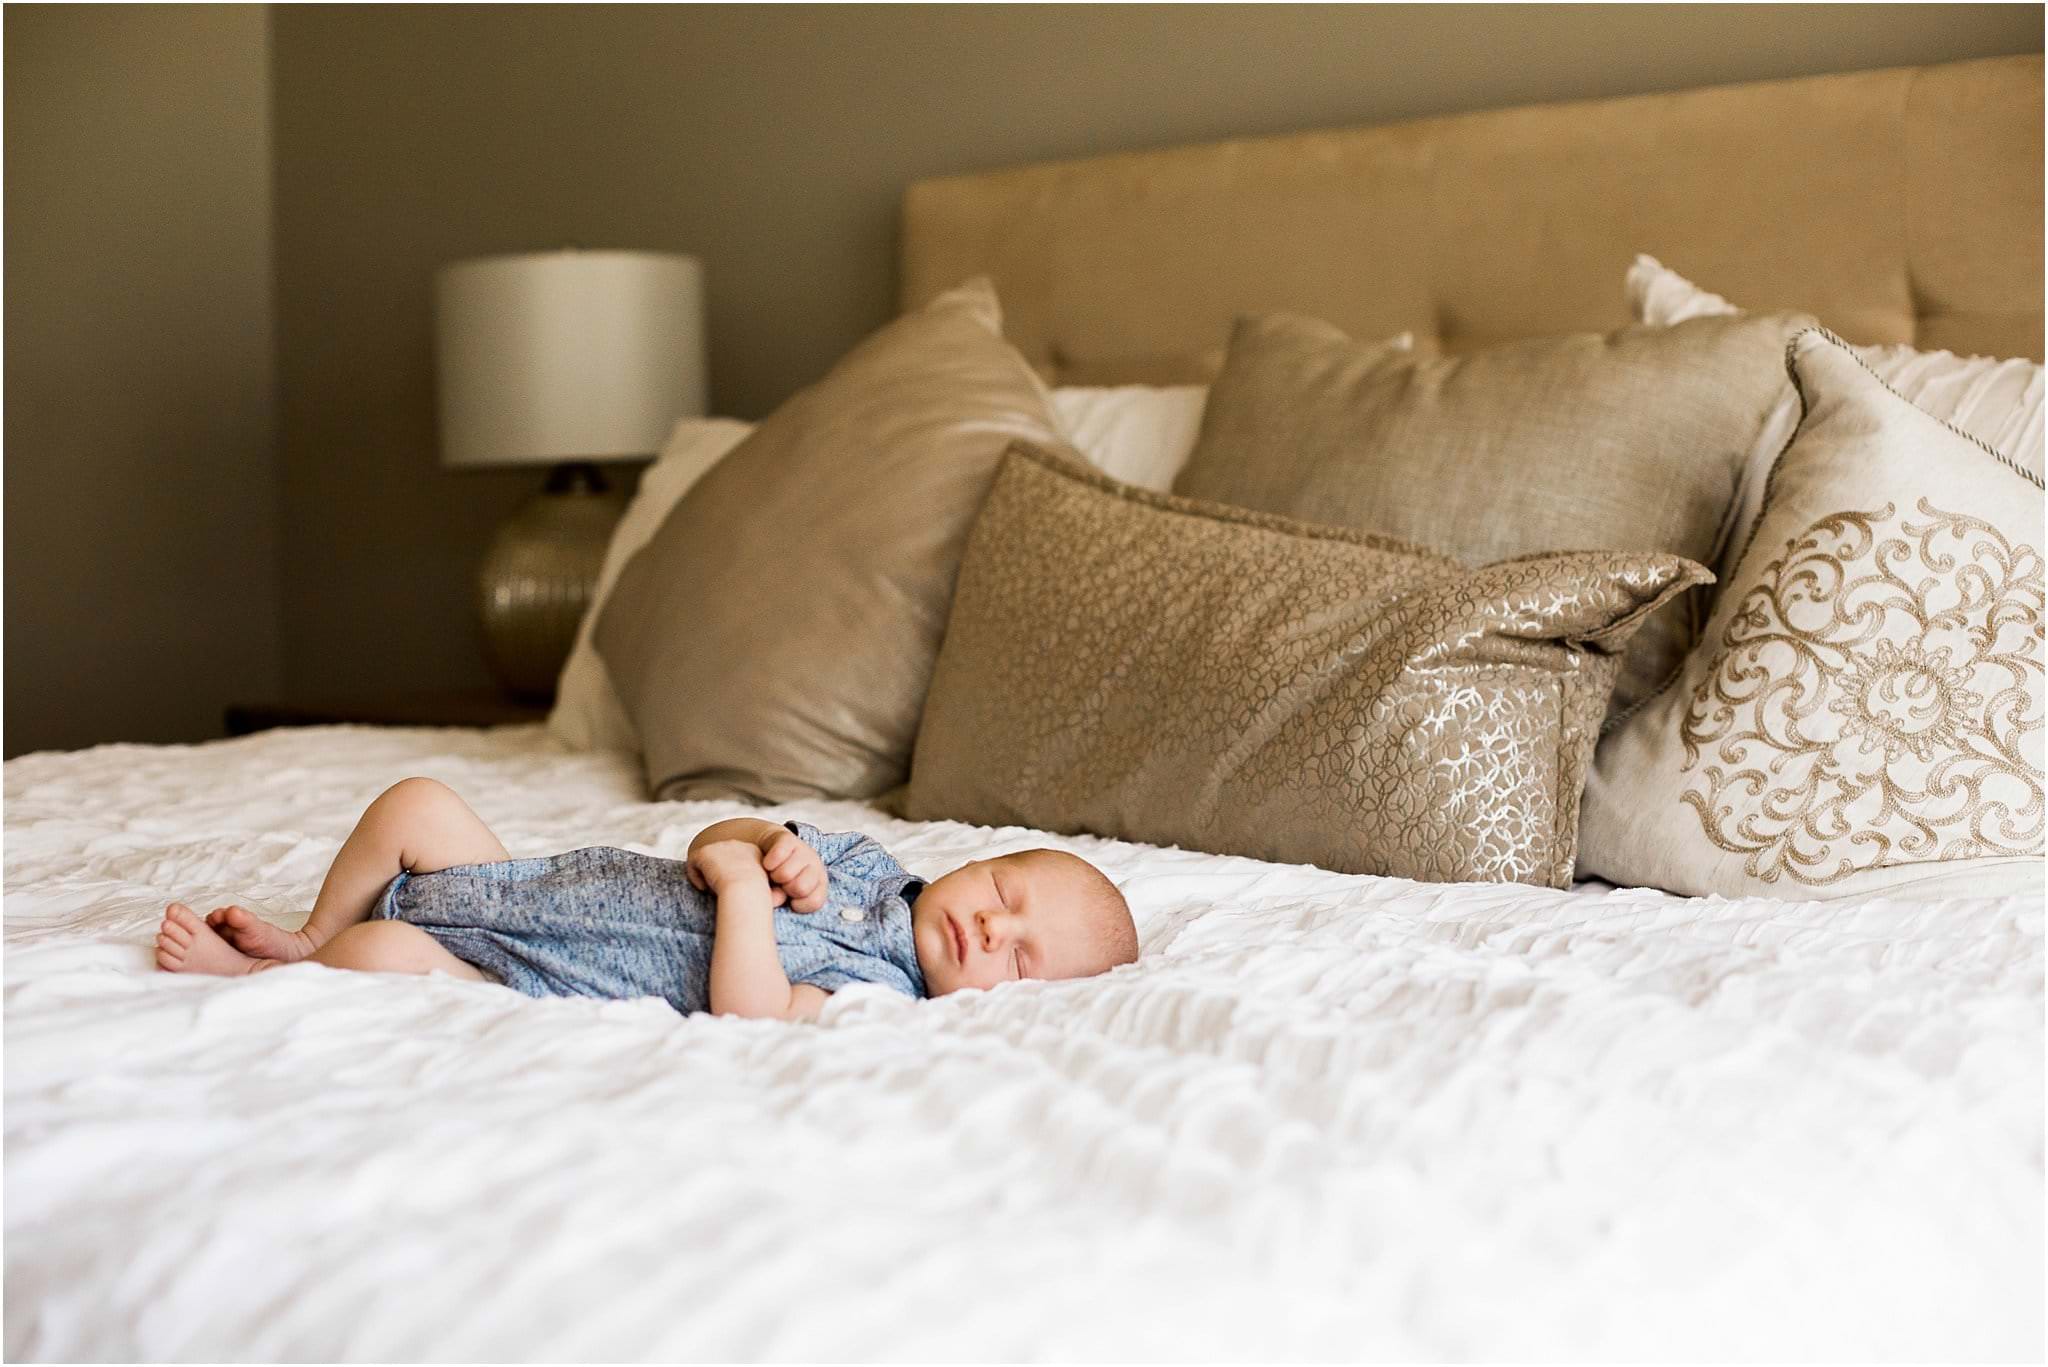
[{"x": 1033, "y": 914}]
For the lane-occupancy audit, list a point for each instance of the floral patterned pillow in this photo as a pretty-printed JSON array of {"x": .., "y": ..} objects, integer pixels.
[{"x": 1864, "y": 711}]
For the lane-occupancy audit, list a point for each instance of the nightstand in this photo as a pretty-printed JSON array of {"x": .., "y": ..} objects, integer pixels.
[{"x": 452, "y": 707}]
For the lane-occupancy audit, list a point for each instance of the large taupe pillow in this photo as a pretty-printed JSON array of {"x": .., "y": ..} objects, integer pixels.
[
  {"x": 774, "y": 639},
  {"x": 1864, "y": 714},
  {"x": 1630, "y": 441},
  {"x": 1143, "y": 666}
]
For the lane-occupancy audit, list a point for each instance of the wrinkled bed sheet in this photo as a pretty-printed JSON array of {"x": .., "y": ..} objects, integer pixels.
[{"x": 1323, "y": 1116}]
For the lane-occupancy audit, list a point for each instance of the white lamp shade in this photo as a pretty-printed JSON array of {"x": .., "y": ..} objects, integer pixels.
[{"x": 568, "y": 355}]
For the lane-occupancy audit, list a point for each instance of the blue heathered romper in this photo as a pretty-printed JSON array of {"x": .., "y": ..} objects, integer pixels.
[{"x": 604, "y": 922}]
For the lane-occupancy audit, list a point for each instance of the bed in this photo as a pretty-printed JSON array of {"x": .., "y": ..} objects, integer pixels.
[{"x": 1325, "y": 1115}]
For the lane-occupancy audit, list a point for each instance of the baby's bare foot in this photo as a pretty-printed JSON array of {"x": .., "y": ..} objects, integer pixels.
[
  {"x": 256, "y": 937},
  {"x": 186, "y": 944}
]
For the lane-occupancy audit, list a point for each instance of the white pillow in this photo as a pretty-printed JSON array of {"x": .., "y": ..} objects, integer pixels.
[
  {"x": 1136, "y": 433},
  {"x": 1998, "y": 402}
]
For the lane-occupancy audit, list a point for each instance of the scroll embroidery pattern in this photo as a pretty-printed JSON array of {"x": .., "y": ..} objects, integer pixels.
[{"x": 1875, "y": 701}]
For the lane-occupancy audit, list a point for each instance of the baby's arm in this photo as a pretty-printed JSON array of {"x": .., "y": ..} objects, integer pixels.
[
  {"x": 753, "y": 830},
  {"x": 795, "y": 872},
  {"x": 746, "y": 968}
]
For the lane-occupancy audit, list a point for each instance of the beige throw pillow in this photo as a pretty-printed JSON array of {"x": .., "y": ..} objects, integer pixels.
[
  {"x": 1134, "y": 432},
  {"x": 774, "y": 639},
  {"x": 1864, "y": 712},
  {"x": 1629, "y": 441},
  {"x": 587, "y": 714},
  {"x": 1996, "y": 400},
  {"x": 1152, "y": 668}
]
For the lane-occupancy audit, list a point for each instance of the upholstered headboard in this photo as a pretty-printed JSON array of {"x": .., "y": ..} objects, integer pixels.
[{"x": 1902, "y": 205}]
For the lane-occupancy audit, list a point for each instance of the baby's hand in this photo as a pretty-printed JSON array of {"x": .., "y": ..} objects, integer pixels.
[
  {"x": 711, "y": 867},
  {"x": 795, "y": 871}
]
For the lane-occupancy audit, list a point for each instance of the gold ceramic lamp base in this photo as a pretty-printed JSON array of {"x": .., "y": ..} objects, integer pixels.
[{"x": 538, "y": 576}]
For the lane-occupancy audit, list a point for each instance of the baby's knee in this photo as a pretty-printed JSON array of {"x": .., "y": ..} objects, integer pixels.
[{"x": 414, "y": 797}]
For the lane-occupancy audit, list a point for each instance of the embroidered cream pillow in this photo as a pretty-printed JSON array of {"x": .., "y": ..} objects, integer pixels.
[
  {"x": 1131, "y": 664},
  {"x": 1864, "y": 711}
]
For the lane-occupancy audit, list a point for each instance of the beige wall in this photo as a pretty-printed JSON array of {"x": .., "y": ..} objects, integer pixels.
[
  {"x": 141, "y": 481},
  {"x": 773, "y": 142}
]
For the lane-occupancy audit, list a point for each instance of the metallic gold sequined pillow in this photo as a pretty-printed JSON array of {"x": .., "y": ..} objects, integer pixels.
[
  {"x": 1864, "y": 711},
  {"x": 1148, "y": 667}
]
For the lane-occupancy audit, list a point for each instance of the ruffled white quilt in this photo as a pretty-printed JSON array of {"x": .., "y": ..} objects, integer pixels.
[{"x": 1323, "y": 1116}]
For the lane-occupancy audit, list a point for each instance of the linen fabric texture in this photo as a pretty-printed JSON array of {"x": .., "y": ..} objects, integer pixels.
[
  {"x": 613, "y": 923},
  {"x": 1630, "y": 441},
  {"x": 1997, "y": 401},
  {"x": 774, "y": 639},
  {"x": 1864, "y": 714},
  {"x": 1153, "y": 668}
]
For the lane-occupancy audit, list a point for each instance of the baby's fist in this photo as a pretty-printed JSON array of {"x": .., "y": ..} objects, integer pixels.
[
  {"x": 795, "y": 870},
  {"x": 710, "y": 867}
]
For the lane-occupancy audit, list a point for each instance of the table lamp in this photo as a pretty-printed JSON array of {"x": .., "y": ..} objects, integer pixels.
[{"x": 561, "y": 358}]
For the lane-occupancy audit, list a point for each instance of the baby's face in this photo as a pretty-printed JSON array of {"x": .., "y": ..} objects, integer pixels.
[{"x": 999, "y": 919}]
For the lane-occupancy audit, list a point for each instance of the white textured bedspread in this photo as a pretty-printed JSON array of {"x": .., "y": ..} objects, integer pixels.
[{"x": 1323, "y": 1115}]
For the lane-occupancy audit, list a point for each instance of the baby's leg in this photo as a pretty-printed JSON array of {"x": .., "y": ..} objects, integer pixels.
[
  {"x": 186, "y": 944},
  {"x": 392, "y": 947},
  {"x": 416, "y": 825}
]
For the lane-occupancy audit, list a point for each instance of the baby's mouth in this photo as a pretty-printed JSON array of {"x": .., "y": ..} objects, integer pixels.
[{"x": 959, "y": 940}]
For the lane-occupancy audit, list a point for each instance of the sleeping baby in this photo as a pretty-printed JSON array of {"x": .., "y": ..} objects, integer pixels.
[{"x": 758, "y": 920}]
